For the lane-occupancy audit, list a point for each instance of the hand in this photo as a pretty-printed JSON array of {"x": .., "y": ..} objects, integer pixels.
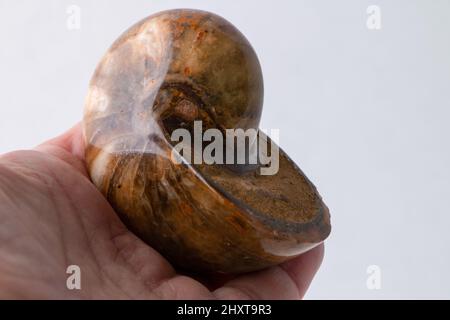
[{"x": 52, "y": 216}]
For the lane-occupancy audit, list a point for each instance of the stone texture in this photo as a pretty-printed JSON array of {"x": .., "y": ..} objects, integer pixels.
[{"x": 163, "y": 73}]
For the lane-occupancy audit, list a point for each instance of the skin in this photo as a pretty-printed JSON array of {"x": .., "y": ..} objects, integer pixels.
[{"x": 52, "y": 216}]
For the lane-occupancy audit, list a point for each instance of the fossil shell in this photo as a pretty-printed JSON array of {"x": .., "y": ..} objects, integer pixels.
[{"x": 164, "y": 73}]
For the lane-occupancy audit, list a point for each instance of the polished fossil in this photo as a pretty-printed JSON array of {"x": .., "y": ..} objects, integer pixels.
[{"x": 166, "y": 72}]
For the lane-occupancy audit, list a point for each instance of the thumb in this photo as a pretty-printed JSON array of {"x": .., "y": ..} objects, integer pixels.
[{"x": 68, "y": 147}]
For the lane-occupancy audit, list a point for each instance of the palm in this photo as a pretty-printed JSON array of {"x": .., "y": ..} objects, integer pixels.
[{"x": 51, "y": 216}]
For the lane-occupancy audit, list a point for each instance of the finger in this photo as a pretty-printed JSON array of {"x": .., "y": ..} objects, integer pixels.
[
  {"x": 71, "y": 141},
  {"x": 210, "y": 281},
  {"x": 68, "y": 147},
  {"x": 303, "y": 269},
  {"x": 290, "y": 280}
]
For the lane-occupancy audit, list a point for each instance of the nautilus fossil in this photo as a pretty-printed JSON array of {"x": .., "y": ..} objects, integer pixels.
[{"x": 171, "y": 71}]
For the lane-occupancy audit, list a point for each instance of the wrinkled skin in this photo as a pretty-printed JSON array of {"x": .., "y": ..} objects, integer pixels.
[{"x": 52, "y": 216}]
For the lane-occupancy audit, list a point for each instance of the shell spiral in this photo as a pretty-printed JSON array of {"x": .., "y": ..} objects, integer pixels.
[{"x": 164, "y": 73}]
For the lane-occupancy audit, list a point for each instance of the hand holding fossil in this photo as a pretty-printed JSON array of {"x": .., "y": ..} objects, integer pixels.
[{"x": 52, "y": 216}]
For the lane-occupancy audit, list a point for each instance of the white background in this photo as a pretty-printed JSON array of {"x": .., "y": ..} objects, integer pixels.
[{"x": 364, "y": 113}]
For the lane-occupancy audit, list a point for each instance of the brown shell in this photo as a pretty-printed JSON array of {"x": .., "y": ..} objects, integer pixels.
[{"x": 165, "y": 72}]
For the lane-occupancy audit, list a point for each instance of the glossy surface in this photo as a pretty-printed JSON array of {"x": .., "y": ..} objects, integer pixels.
[{"x": 162, "y": 74}]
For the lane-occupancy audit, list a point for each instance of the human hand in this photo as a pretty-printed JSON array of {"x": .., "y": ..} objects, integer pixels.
[{"x": 52, "y": 216}]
